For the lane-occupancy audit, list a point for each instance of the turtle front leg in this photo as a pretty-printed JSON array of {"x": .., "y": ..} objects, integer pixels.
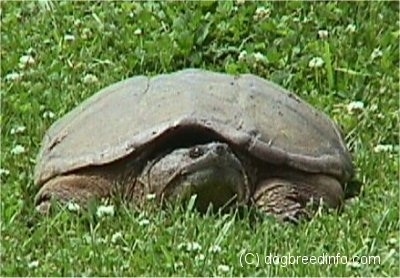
[
  {"x": 288, "y": 199},
  {"x": 77, "y": 188}
]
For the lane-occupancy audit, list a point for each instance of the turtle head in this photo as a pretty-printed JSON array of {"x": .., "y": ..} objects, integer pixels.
[{"x": 211, "y": 171}]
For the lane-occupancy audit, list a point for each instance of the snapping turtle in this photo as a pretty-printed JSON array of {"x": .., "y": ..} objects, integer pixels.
[{"x": 228, "y": 139}]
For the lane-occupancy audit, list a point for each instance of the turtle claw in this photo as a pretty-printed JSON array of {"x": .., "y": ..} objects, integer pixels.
[{"x": 44, "y": 208}]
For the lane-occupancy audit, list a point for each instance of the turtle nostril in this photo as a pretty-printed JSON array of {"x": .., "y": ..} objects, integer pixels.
[
  {"x": 220, "y": 149},
  {"x": 195, "y": 152}
]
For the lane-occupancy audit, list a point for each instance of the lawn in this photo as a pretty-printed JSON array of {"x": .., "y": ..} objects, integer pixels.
[{"x": 343, "y": 58}]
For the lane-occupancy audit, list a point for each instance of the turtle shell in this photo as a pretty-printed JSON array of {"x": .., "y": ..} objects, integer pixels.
[{"x": 253, "y": 114}]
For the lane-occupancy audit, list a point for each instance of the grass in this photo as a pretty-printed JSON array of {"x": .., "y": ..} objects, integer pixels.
[{"x": 56, "y": 54}]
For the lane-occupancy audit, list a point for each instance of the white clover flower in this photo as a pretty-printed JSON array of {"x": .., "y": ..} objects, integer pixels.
[
  {"x": 48, "y": 115},
  {"x": 86, "y": 33},
  {"x": 150, "y": 196},
  {"x": 115, "y": 237},
  {"x": 13, "y": 76},
  {"x": 354, "y": 264},
  {"x": 242, "y": 55},
  {"x": 323, "y": 34},
  {"x": 137, "y": 32},
  {"x": 261, "y": 13},
  {"x": 105, "y": 210},
  {"x": 385, "y": 148},
  {"x": 190, "y": 246},
  {"x": 316, "y": 62},
  {"x": 90, "y": 78},
  {"x": 215, "y": 249},
  {"x": 355, "y": 106},
  {"x": 18, "y": 149},
  {"x": 223, "y": 268},
  {"x": 380, "y": 116},
  {"x": 351, "y": 28},
  {"x": 18, "y": 129},
  {"x": 144, "y": 222},
  {"x": 77, "y": 22},
  {"x": 376, "y": 53},
  {"x": 33, "y": 264},
  {"x": 4, "y": 172},
  {"x": 71, "y": 206},
  {"x": 259, "y": 57},
  {"x": 69, "y": 37},
  {"x": 193, "y": 246},
  {"x": 26, "y": 60},
  {"x": 178, "y": 265},
  {"x": 199, "y": 257}
]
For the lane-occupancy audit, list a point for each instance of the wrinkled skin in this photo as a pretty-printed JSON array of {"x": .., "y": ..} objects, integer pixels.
[{"x": 212, "y": 171}]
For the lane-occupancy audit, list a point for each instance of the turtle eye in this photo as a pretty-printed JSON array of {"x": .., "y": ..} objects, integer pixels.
[{"x": 195, "y": 152}]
